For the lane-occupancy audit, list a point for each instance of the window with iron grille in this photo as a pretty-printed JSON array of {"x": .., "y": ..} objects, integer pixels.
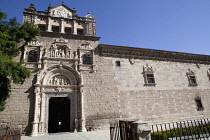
[
  {"x": 87, "y": 59},
  {"x": 150, "y": 79},
  {"x": 149, "y": 76},
  {"x": 192, "y": 78}
]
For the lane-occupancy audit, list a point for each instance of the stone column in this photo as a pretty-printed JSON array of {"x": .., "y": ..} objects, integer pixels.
[
  {"x": 36, "y": 111},
  {"x": 49, "y": 27},
  {"x": 61, "y": 26},
  {"x": 74, "y": 28},
  {"x": 82, "y": 115}
]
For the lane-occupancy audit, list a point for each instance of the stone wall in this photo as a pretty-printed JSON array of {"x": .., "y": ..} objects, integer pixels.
[
  {"x": 20, "y": 106},
  {"x": 119, "y": 92}
]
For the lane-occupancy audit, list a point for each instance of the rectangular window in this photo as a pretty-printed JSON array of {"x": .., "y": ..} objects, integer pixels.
[
  {"x": 80, "y": 31},
  {"x": 55, "y": 29},
  {"x": 42, "y": 27},
  {"x": 68, "y": 30},
  {"x": 192, "y": 80},
  {"x": 150, "y": 78},
  {"x": 117, "y": 64},
  {"x": 87, "y": 59},
  {"x": 199, "y": 104}
]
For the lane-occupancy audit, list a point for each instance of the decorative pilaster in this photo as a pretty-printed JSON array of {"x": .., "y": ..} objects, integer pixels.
[
  {"x": 61, "y": 26},
  {"x": 37, "y": 106},
  {"x": 82, "y": 115},
  {"x": 74, "y": 28},
  {"x": 49, "y": 27},
  {"x": 35, "y": 123}
]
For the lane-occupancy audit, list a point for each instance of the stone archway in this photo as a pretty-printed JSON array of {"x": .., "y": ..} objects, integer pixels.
[{"x": 57, "y": 81}]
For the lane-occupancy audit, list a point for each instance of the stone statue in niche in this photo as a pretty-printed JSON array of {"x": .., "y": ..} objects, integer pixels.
[{"x": 59, "y": 80}]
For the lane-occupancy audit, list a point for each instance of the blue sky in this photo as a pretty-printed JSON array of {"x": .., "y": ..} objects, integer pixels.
[{"x": 173, "y": 25}]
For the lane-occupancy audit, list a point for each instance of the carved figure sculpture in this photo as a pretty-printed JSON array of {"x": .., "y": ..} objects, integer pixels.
[{"x": 59, "y": 80}]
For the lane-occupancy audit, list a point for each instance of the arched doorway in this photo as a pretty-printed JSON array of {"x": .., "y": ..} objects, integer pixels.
[
  {"x": 59, "y": 115},
  {"x": 55, "y": 83}
]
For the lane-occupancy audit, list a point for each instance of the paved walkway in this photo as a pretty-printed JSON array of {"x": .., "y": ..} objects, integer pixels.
[{"x": 92, "y": 135}]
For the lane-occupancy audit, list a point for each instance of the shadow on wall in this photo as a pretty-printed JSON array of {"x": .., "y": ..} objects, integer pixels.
[{"x": 31, "y": 98}]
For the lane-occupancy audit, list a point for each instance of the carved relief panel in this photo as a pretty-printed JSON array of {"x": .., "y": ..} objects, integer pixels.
[
  {"x": 60, "y": 49},
  {"x": 59, "y": 80}
]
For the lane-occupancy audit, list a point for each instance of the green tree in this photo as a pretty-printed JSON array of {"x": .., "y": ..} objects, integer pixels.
[{"x": 12, "y": 33}]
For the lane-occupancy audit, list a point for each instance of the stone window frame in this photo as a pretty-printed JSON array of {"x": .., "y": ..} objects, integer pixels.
[
  {"x": 33, "y": 56},
  {"x": 86, "y": 49},
  {"x": 148, "y": 70},
  {"x": 199, "y": 104},
  {"x": 192, "y": 78}
]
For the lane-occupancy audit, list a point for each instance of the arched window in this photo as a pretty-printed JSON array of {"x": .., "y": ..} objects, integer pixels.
[
  {"x": 33, "y": 56},
  {"x": 87, "y": 59}
]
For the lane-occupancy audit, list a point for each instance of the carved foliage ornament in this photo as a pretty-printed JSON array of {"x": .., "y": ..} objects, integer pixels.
[
  {"x": 59, "y": 89},
  {"x": 148, "y": 68},
  {"x": 34, "y": 43},
  {"x": 190, "y": 73},
  {"x": 86, "y": 46},
  {"x": 61, "y": 40}
]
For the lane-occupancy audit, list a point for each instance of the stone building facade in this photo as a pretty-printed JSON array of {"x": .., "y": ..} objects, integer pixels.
[{"x": 78, "y": 84}]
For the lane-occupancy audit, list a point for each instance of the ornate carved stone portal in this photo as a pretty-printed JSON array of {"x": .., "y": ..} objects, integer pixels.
[{"x": 59, "y": 61}]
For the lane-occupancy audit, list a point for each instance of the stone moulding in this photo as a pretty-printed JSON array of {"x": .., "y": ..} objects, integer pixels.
[
  {"x": 70, "y": 36},
  {"x": 151, "y": 54}
]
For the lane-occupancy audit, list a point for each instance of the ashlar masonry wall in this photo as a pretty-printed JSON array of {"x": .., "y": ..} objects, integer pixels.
[
  {"x": 120, "y": 92},
  {"x": 19, "y": 107}
]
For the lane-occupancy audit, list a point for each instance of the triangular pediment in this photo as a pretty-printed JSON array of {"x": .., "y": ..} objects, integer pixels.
[{"x": 61, "y": 11}]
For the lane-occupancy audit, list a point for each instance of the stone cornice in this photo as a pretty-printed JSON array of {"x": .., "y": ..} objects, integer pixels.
[
  {"x": 70, "y": 36},
  {"x": 151, "y": 54},
  {"x": 47, "y": 14}
]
